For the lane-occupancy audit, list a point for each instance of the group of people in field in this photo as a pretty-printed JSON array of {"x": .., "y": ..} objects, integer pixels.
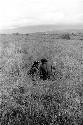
[{"x": 42, "y": 69}]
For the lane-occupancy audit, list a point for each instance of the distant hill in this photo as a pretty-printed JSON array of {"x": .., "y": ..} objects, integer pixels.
[{"x": 43, "y": 28}]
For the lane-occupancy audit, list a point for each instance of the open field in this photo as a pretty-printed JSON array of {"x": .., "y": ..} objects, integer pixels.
[{"x": 29, "y": 98}]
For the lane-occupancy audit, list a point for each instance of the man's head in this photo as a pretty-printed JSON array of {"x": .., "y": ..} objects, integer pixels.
[{"x": 44, "y": 60}]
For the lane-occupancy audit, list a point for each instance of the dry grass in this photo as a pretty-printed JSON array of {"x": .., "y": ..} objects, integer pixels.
[{"x": 17, "y": 54}]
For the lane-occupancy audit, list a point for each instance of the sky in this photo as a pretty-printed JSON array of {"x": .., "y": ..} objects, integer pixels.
[{"x": 16, "y": 13}]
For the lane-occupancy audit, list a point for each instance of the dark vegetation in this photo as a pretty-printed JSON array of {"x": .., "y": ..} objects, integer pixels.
[
  {"x": 66, "y": 36},
  {"x": 53, "y": 99}
]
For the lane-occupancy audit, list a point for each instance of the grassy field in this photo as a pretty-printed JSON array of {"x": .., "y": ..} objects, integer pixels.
[{"x": 54, "y": 101}]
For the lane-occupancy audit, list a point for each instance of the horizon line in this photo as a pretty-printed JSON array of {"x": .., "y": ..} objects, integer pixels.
[{"x": 31, "y": 27}]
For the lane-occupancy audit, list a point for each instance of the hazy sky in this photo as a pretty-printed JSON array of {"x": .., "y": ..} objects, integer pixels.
[{"x": 15, "y": 13}]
